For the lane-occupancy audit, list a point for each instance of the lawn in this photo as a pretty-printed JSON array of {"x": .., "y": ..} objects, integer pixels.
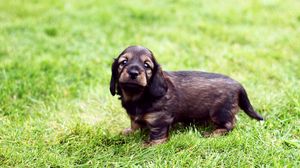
[{"x": 55, "y": 57}]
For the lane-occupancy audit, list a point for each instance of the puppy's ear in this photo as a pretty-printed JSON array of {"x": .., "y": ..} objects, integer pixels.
[
  {"x": 114, "y": 77},
  {"x": 158, "y": 85}
]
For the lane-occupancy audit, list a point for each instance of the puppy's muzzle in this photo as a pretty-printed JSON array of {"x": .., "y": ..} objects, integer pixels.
[{"x": 134, "y": 72}]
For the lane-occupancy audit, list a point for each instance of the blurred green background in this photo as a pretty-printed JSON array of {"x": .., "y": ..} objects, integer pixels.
[{"x": 55, "y": 58}]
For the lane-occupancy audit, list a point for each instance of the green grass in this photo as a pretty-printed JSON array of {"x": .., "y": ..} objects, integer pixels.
[{"x": 55, "y": 58}]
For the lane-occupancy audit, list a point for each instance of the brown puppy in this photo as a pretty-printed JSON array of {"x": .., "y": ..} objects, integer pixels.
[{"x": 156, "y": 99}]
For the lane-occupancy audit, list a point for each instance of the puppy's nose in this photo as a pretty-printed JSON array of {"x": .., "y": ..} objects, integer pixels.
[{"x": 133, "y": 73}]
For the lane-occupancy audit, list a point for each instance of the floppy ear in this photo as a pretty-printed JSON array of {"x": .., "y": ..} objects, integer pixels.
[
  {"x": 114, "y": 77},
  {"x": 158, "y": 86}
]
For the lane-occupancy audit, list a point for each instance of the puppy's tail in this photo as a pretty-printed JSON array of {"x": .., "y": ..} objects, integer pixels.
[{"x": 245, "y": 105}]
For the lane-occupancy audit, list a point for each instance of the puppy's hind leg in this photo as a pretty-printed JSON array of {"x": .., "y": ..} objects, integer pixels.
[
  {"x": 224, "y": 122},
  {"x": 222, "y": 130}
]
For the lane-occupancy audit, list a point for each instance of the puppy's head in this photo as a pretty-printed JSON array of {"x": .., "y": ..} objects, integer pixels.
[{"x": 135, "y": 72}]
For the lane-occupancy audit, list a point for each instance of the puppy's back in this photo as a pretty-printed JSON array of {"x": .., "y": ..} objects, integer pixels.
[
  {"x": 201, "y": 79},
  {"x": 200, "y": 92}
]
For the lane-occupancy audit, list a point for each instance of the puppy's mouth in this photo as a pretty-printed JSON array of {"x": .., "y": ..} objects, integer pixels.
[{"x": 132, "y": 87}]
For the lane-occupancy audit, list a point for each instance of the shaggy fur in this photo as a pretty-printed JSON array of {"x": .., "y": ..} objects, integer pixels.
[{"x": 157, "y": 99}]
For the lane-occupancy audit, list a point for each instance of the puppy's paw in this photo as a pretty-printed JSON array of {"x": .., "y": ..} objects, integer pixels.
[
  {"x": 215, "y": 133},
  {"x": 127, "y": 131},
  {"x": 207, "y": 134},
  {"x": 154, "y": 142}
]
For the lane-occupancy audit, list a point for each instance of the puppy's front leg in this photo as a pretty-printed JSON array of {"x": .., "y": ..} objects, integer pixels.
[
  {"x": 158, "y": 134},
  {"x": 134, "y": 126},
  {"x": 159, "y": 124}
]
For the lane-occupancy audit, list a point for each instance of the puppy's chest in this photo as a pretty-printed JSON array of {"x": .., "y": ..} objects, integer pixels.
[{"x": 137, "y": 113}]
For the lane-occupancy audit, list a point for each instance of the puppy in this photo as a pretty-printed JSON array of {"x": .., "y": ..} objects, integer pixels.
[{"x": 157, "y": 99}]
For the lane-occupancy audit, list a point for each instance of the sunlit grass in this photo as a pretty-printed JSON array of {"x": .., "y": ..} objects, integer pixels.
[{"x": 55, "y": 58}]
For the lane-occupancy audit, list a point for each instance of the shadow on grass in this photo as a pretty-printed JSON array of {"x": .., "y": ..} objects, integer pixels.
[
  {"x": 85, "y": 142},
  {"x": 96, "y": 136}
]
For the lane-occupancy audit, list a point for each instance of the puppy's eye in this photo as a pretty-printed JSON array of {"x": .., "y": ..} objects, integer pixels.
[
  {"x": 146, "y": 65},
  {"x": 124, "y": 62}
]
